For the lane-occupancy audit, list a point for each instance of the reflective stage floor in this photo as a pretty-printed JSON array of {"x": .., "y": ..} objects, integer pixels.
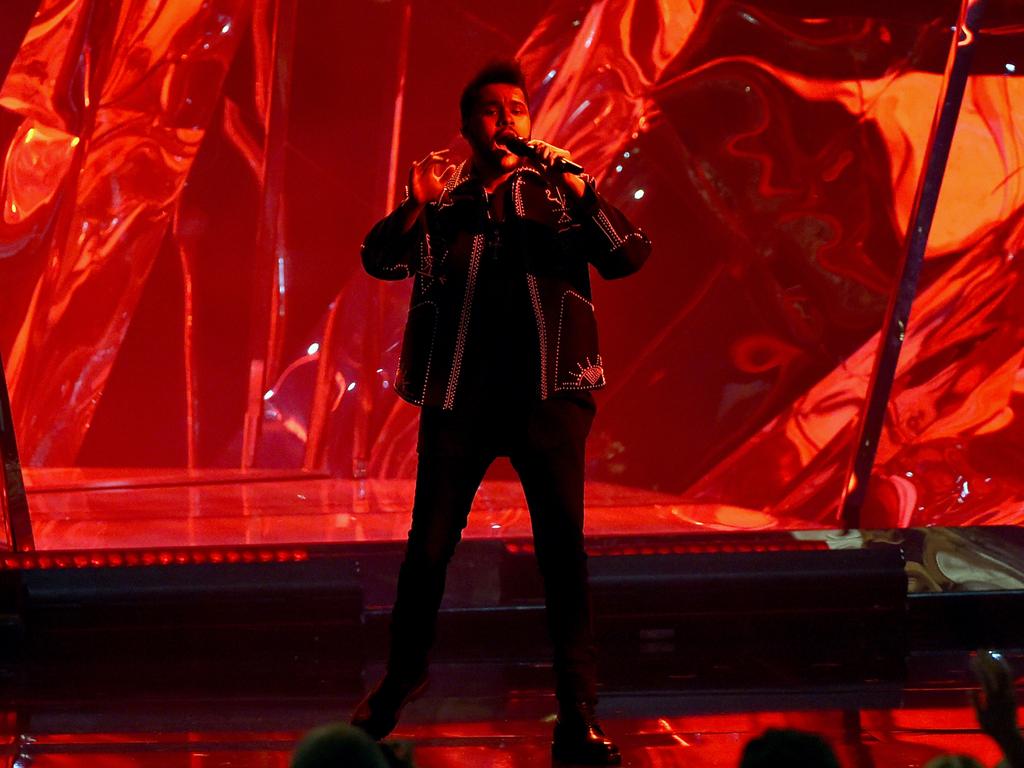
[
  {"x": 459, "y": 732},
  {"x": 96, "y": 508},
  {"x": 714, "y": 623}
]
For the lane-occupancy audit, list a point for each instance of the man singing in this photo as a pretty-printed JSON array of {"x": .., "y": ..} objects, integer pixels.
[{"x": 500, "y": 350}]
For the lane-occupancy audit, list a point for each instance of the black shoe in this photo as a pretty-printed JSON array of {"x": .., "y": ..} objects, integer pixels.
[
  {"x": 377, "y": 713},
  {"x": 579, "y": 739}
]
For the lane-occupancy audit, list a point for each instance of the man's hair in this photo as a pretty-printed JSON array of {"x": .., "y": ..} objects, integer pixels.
[
  {"x": 785, "y": 748},
  {"x": 507, "y": 72}
]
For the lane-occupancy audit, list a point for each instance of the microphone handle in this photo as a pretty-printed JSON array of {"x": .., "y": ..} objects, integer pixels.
[
  {"x": 568, "y": 166},
  {"x": 521, "y": 148}
]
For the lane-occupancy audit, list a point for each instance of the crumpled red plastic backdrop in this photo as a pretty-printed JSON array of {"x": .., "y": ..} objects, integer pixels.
[{"x": 185, "y": 186}]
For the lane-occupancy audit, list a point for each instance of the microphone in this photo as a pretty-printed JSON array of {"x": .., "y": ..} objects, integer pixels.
[{"x": 517, "y": 146}]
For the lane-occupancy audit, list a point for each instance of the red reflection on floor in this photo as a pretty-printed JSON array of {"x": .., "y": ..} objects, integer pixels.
[
  {"x": 881, "y": 737},
  {"x": 111, "y": 509}
]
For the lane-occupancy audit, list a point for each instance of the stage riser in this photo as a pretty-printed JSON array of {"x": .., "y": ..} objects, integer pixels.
[
  {"x": 671, "y": 654},
  {"x": 831, "y": 616},
  {"x": 966, "y": 621},
  {"x": 852, "y": 580}
]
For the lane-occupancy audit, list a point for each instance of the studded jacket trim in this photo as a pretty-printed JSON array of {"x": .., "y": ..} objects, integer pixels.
[
  {"x": 464, "y": 315},
  {"x": 542, "y": 333},
  {"x": 556, "y": 239}
]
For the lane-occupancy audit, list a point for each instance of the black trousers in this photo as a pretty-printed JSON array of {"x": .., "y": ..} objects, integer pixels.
[{"x": 544, "y": 441}]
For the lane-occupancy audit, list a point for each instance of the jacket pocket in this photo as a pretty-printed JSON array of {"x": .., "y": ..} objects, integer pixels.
[
  {"x": 578, "y": 363},
  {"x": 417, "y": 351}
]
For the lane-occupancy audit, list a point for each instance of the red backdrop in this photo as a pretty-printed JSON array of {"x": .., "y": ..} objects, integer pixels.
[{"x": 186, "y": 184}]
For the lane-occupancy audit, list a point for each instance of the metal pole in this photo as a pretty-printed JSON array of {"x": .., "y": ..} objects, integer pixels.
[
  {"x": 367, "y": 392},
  {"x": 17, "y": 522},
  {"x": 269, "y": 306},
  {"x": 313, "y": 458},
  {"x": 188, "y": 342},
  {"x": 958, "y": 66}
]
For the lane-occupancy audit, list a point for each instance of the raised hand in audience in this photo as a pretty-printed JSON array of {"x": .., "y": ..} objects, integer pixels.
[{"x": 996, "y": 704}]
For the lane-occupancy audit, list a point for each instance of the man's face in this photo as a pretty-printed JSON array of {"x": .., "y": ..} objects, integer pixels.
[{"x": 500, "y": 109}]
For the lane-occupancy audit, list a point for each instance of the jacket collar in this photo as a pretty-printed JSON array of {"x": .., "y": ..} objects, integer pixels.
[{"x": 465, "y": 181}]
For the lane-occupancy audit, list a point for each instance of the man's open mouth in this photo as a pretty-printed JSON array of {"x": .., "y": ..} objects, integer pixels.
[{"x": 499, "y": 140}]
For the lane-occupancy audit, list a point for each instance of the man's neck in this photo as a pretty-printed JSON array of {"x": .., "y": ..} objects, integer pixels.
[{"x": 491, "y": 177}]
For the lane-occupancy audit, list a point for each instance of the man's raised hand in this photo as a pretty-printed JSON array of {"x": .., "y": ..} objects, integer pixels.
[
  {"x": 547, "y": 156},
  {"x": 996, "y": 704},
  {"x": 428, "y": 176}
]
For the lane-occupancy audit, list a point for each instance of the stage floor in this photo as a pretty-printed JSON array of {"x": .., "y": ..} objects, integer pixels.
[
  {"x": 475, "y": 714},
  {"x": 119, "y": 508},
  {"x": 262, "y": 735}
]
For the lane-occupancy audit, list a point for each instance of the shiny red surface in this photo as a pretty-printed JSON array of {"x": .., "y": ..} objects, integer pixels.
[
  {"x": 895, "y": 739},
  {"x": 187, "y": 513},
  {"x": 185, "y": 186}
]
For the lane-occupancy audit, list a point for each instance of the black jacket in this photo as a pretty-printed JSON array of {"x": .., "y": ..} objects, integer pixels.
[{"x": 552, "y": 236}]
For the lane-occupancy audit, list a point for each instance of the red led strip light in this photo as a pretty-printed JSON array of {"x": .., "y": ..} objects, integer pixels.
[{"x": 136, "y": 558}]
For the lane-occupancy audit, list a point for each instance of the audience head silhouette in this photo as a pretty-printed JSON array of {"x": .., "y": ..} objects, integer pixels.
[
  {"x": 779, "y": 748},
  {"x": 336, "y": 746}
]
